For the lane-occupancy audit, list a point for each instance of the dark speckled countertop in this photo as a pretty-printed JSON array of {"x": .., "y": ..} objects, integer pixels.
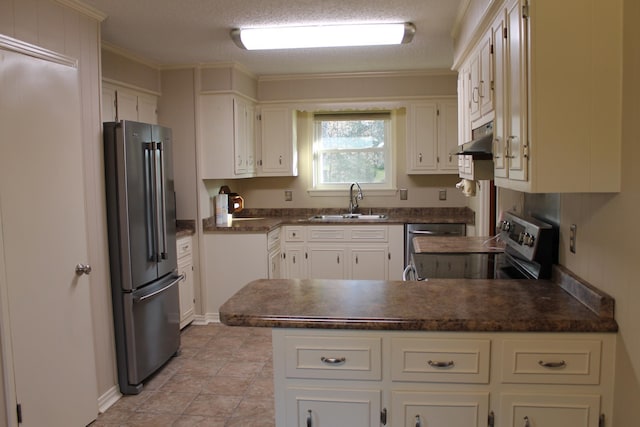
[
  {"x": 265, "y": 220},
  {"x": 436, "y": 305}
]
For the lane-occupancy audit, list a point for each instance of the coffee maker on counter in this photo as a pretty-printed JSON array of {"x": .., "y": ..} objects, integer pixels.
[{"x": 235, "y": 201}]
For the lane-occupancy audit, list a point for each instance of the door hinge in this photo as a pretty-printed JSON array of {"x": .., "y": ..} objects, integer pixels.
[
  {"x": 438, "y": 112},
  {"x": 491, "y": 48},
  {"x": 525, "y": 10},
  {"x": 492, "y": 419},
  {"x": 383, "y": 416},
  {"x": 19, "y": 412},
  {"x": 505, "y": 33},
  {"x": 601, "y": 421},
  {"x": 389, "y": 256}
]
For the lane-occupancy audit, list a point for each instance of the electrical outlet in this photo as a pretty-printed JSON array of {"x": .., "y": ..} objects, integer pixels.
[
  {"x": 403, "y": 194},
  {"x": 572, "y": 238},
  {"x": 288, "y": 195},
  {"x": 442, "y": 195}
]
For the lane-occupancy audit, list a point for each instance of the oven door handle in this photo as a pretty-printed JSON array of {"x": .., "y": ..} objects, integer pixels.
[{"x": 434, "y": 233}]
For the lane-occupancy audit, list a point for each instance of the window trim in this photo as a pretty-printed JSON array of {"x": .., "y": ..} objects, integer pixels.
[{"x": 389, "y": 187}]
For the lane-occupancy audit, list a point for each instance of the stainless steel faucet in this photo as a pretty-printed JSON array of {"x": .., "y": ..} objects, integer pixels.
[{"x": 353, "y": 199}]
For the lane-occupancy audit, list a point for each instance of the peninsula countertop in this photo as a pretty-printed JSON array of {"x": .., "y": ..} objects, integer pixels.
[{"x": 436, "y": 305}]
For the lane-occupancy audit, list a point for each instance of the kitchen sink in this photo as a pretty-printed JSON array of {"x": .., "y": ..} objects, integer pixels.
[{"x": 350, "y": 217}]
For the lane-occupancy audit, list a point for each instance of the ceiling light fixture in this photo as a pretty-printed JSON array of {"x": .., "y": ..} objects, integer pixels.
[{"x": 323, "y": 36}]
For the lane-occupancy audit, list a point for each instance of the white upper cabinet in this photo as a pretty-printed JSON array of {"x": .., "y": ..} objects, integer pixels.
[
  {"x": 557, "y": 95},
  {"x": 226, "y": 137},
  {"x": 120, "y": 103},
  {"x": 432, "y": 133},
  {"x": 278, "y": 154},
  {"x": 481, "y": 82}
]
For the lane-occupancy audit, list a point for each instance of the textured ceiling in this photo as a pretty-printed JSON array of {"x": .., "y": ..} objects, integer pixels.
[{"x": 178, "y": 32}]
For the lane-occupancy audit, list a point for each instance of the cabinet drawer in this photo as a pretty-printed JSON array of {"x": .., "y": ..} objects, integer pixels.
[
  {"x": 333, "y": 357},
  {"x": 551, "y": 362},
  {"x": 440, "y": 360},
  {"x": 328, "y": 234},
  {"x": 294, "y": 234},
  {"x": 365, "y": 233},
  {"x": 184, "y": 247}
]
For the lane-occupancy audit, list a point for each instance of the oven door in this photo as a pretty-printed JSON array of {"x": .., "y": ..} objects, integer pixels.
[
  {"x": 452, "y": 266},
  {"x": 510, "y": 267}
]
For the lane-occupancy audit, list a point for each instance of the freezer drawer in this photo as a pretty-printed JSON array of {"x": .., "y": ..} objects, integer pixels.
[{"x": 152, "y": 315}]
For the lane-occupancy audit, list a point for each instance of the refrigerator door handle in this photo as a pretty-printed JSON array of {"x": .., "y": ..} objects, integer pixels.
[
  {"x": 159, "y": 291},
  {"x": 152, "y": 229},
  {"x": 162, "y": 218}
]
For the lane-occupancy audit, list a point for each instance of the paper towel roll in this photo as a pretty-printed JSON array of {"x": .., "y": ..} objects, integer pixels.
[
  {"x": 468, "y": 187},
  {"x": 222, "y": 210}
]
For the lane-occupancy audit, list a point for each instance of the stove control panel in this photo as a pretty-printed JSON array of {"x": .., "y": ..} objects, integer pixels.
[{"x": 524, "y": 234}]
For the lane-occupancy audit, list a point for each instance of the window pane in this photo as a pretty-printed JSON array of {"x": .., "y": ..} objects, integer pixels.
[
  {"x": 351, "y": 148},
  {"x": 348, "y": 166}
]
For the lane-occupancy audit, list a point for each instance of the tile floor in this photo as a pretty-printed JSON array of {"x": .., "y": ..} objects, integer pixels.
[{"x": 223, "y": 377}]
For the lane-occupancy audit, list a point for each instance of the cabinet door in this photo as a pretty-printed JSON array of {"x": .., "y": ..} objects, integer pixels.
[
  {"x": 295, "y": 261},
  {"x": 474, "y": 69},
  {"x": 147, "y": 109},
  {"x": 332, "y": 407},
  {"x": 187, "y": 302},
  {"x": 499, "y": 99},
  {"x": 422, "y": 137},
  {"x": 327, "y": 262},
  {"x": 370, "y": 263},
  {"x": 426, "y": 409},
  {"x": 108, "y": 104},
  {"x": 447, "y": 135},
  {"x": 277, "y": 142},
  {"x": 548, "y": 410},
  {"x": 275, "y": 261},
  {"x": 486, "y": 75},
  {"x": 241, "y": 133},
  {"x": 517, "y": 147},
  {"x": 127, "y": 105},
  {"x": 451, "y": 266}
]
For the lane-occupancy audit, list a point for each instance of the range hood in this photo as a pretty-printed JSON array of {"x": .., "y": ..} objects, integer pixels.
[{"x": 480, "y": 148}]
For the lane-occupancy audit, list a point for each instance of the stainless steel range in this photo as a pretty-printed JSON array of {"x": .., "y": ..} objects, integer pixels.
[
  {"x": 530, "y": 250},
  {"x": 531, "y": 247}
]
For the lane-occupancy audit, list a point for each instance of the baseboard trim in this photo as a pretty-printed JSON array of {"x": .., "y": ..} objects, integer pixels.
[
  {"x": 205, "y": 319},
  {"x": 108, "y": 399}
]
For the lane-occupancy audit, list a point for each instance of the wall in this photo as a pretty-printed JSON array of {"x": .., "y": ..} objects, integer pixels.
[
  {"x": 608, "y": 234},
  {"x": 307, "y": 92},
  {"x": 121, "y": 67},
  {"x": 76, "y": 33}
]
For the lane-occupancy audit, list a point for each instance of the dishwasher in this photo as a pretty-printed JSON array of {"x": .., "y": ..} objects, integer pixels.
[{"x": 426, "y": 229}]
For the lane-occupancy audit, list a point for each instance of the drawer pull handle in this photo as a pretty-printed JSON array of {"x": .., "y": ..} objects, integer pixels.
[
  {"x": 418, "y": 421},
  {"x": 437, "y": 364},
  {"x": 333, "y": 360},
  {"x": 309, "y": 418},
  {"x": 526, "y": 422},
  {"x": 560, "y": 364}
]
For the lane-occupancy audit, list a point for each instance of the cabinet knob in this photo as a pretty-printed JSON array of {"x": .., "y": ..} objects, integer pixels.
[
  {"x": 309, "y": 419},
  {"x": 83, "y": 269}
]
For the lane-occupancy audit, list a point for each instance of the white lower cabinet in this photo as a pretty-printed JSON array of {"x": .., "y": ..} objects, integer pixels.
[
  {"x": 186, "y": 291},
  {"x": 550, "y": 410},
  {"x": 372, "y": 378},
  {"x": 447, "y": 409},
  {"x": 312, "y": 407},
  {"x": 369, "y": 252}
]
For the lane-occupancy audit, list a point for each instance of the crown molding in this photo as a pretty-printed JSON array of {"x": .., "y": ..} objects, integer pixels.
[
  {"x": 84, "y": 9},
  {"x": 372, "y": 74},
  {"x": 130, "y": 55}
]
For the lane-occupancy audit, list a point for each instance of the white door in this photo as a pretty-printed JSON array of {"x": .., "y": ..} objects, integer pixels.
[{"x": 46, "y": 319}]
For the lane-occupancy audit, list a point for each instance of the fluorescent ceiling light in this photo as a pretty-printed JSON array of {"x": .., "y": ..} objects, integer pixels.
[{"x": 323, "y": 36}]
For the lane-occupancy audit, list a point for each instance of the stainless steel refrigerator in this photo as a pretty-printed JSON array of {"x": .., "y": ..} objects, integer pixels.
[{"x": 142, "y": 249}]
